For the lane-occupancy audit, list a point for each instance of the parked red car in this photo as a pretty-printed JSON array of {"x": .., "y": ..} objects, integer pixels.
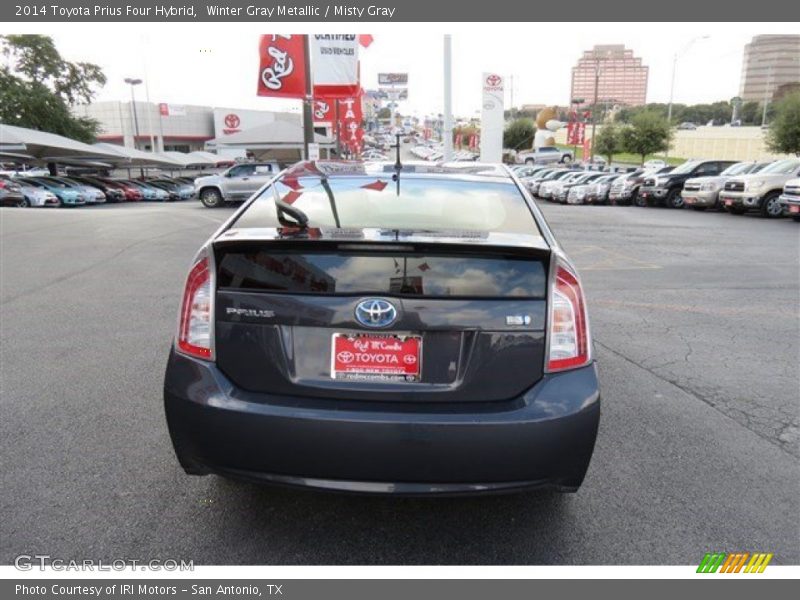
[{"x": 132, "y": 193}]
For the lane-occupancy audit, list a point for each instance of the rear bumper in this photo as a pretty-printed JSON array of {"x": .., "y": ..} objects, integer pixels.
[{"x": 543, "y": 438}]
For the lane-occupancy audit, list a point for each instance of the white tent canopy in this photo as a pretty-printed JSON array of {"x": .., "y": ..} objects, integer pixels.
[
  {"x": 47, "y": 147},
  {"x": 131, "y": 156}
]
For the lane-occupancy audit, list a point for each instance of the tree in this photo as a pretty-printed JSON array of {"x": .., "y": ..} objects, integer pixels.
[
  {"x": 519, "y": 134},
  {"x": 648, "y": 133},
  {"x": 38, "y": 87},
  {"x": 385, "y": 113},
  {"x": 608, "y": 142},
  {"x": 784, "y": 131}
]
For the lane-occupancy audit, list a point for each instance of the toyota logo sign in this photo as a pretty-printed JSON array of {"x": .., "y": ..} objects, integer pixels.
[
  {"x": 232, "y": 121},
  {"x": 493, "y": 80},
  {"x": 375, "y": 312}
]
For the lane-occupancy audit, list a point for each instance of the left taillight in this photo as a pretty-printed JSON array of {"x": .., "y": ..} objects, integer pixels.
[
  {"x": 194, "y": 326},
  {"x": 569, "y": 340}
]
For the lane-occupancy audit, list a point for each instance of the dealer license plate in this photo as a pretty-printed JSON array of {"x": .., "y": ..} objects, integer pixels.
[{"x": 376, "y": 357}]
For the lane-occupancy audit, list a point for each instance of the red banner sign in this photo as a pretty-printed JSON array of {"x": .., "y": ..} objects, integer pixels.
[
  {"x": 324, "y": 109},
  {"x": 282, "y": 71},
  {"x": 575, "y": 133},
  {"x": 350, "y": 119}
]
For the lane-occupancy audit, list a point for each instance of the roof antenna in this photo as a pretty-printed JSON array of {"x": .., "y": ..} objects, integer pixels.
[{"x": 398, "y": 166}]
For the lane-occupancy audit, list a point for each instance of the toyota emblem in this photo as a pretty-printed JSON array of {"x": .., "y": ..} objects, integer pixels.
[
  {"x": 375, "y": 312},
  {"x": 232, "y": 121}
]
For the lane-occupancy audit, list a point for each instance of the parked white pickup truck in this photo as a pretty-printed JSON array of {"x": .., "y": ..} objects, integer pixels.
[{"x": 544, "y": 155}]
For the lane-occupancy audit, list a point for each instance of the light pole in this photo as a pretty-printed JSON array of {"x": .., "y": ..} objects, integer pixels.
[
  {"x": 133, "y": 83},
  {"x": 766, "y": 95},
  {"x": 448, "y": 100},
  {"x": 594, "y": 107},
  {"x": 675, "y": 57}
]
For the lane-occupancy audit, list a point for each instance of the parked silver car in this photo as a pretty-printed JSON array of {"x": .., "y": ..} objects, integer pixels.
[
  {"x": 235, "y": 184},
  {"x": 760, "y": 191},
  {"x": 701, "y": 193},
  {"x": 545, "y": 155}
]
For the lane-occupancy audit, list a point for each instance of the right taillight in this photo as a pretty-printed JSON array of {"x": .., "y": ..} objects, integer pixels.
[
  {"x": 194, "y": 326},
  {"x": 569, "y": 324}
]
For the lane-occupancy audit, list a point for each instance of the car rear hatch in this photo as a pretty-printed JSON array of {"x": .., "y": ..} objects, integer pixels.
[{"x": 289, "y": 319}]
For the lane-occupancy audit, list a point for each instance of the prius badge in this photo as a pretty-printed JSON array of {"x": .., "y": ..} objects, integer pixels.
[{"x": 376, "y": 312}]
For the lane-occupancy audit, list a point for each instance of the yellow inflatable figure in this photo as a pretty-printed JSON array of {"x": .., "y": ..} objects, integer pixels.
[{"x": 546, "y": 126}]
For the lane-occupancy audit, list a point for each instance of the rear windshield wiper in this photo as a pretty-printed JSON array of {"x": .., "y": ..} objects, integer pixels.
[{"x": 300, "y": 219}]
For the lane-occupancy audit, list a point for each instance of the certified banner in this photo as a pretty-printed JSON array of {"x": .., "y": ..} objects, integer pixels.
[
  {"x": 282, "y": 71},
  {"x": 334, "y": 60},
  {"x": 492, "y": 118}
]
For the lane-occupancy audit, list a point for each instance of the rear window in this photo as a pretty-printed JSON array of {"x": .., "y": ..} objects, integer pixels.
[
  {"x": 400, "y": 274},
  {"x": 418, "y": 203}
]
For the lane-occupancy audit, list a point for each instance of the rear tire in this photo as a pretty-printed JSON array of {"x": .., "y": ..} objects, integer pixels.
[
  {"x": 529, "y": 161},
  {"x": 24, "y": 203},
  {"x": 211, "y": 198},
  {"x": 674, "y": 199},
  {"x": 771, "y": 208},
  {"x": 637, "y": 200}
]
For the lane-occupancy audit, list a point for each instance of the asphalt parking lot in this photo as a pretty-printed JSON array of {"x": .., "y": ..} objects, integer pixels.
[{"x": 695, "y": 320}]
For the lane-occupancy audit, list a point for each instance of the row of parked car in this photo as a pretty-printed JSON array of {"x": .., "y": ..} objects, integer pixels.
[
  {"x": 79, "y": 190},
  {"x": 771, "y": 188}
]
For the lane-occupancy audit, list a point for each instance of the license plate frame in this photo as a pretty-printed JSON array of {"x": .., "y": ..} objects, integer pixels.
[{"x": 358, "y": 346}]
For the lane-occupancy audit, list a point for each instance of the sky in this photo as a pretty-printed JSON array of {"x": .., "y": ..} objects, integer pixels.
[{"x": 217, "y": 64}]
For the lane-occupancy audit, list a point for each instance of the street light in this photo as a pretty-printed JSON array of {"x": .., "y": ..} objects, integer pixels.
[
  {"x": 675, "y": 57},
  {"x": 133, "y": 83}
]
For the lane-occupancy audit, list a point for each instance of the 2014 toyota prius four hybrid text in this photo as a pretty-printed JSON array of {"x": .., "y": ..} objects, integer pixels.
[{"x": 385, "y": 328}]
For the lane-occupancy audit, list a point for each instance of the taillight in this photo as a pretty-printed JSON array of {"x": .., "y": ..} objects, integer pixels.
[
  {"x": 569, "y": 325},
  {"x": 194, "y": 327}
]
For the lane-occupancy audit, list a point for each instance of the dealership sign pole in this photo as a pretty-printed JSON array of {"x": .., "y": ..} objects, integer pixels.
[{"x": 492, "y": 119}]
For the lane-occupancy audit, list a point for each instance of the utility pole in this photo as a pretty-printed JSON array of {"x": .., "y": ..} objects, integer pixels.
[
  {"x": 766, "y": 96},
  {"x": 594, "y": 107},
  {"x": 511, "y": 108},
  {"x": 448, "y": 100},
  {"x": 308, "y": 118}
]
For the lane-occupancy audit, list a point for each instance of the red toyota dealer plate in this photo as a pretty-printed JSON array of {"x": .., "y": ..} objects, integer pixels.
[
  {"x": 728, "y": 202},
  {"x": 794, "y": 208},
  {"x": 376, "y": 357}
]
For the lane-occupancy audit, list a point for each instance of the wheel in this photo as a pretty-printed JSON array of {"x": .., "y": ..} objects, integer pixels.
[
  {"x": 638, "y": 200},
  {"x": 529, "y": 161},
  {"x": 23, "y": 203},
  {"x": 674, "y": 199},
  {"x": 59, "y": 203},
  {"x": 771, "y": 206},
  {"x": 211, "y": 198},
  {"x": 566, "y": 159}
]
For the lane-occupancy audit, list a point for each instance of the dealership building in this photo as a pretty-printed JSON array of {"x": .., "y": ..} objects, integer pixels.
[{"x": 171, "y": 127}]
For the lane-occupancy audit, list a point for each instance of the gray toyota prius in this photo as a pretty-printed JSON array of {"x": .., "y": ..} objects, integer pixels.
[{"x": 385, "y": 328}]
